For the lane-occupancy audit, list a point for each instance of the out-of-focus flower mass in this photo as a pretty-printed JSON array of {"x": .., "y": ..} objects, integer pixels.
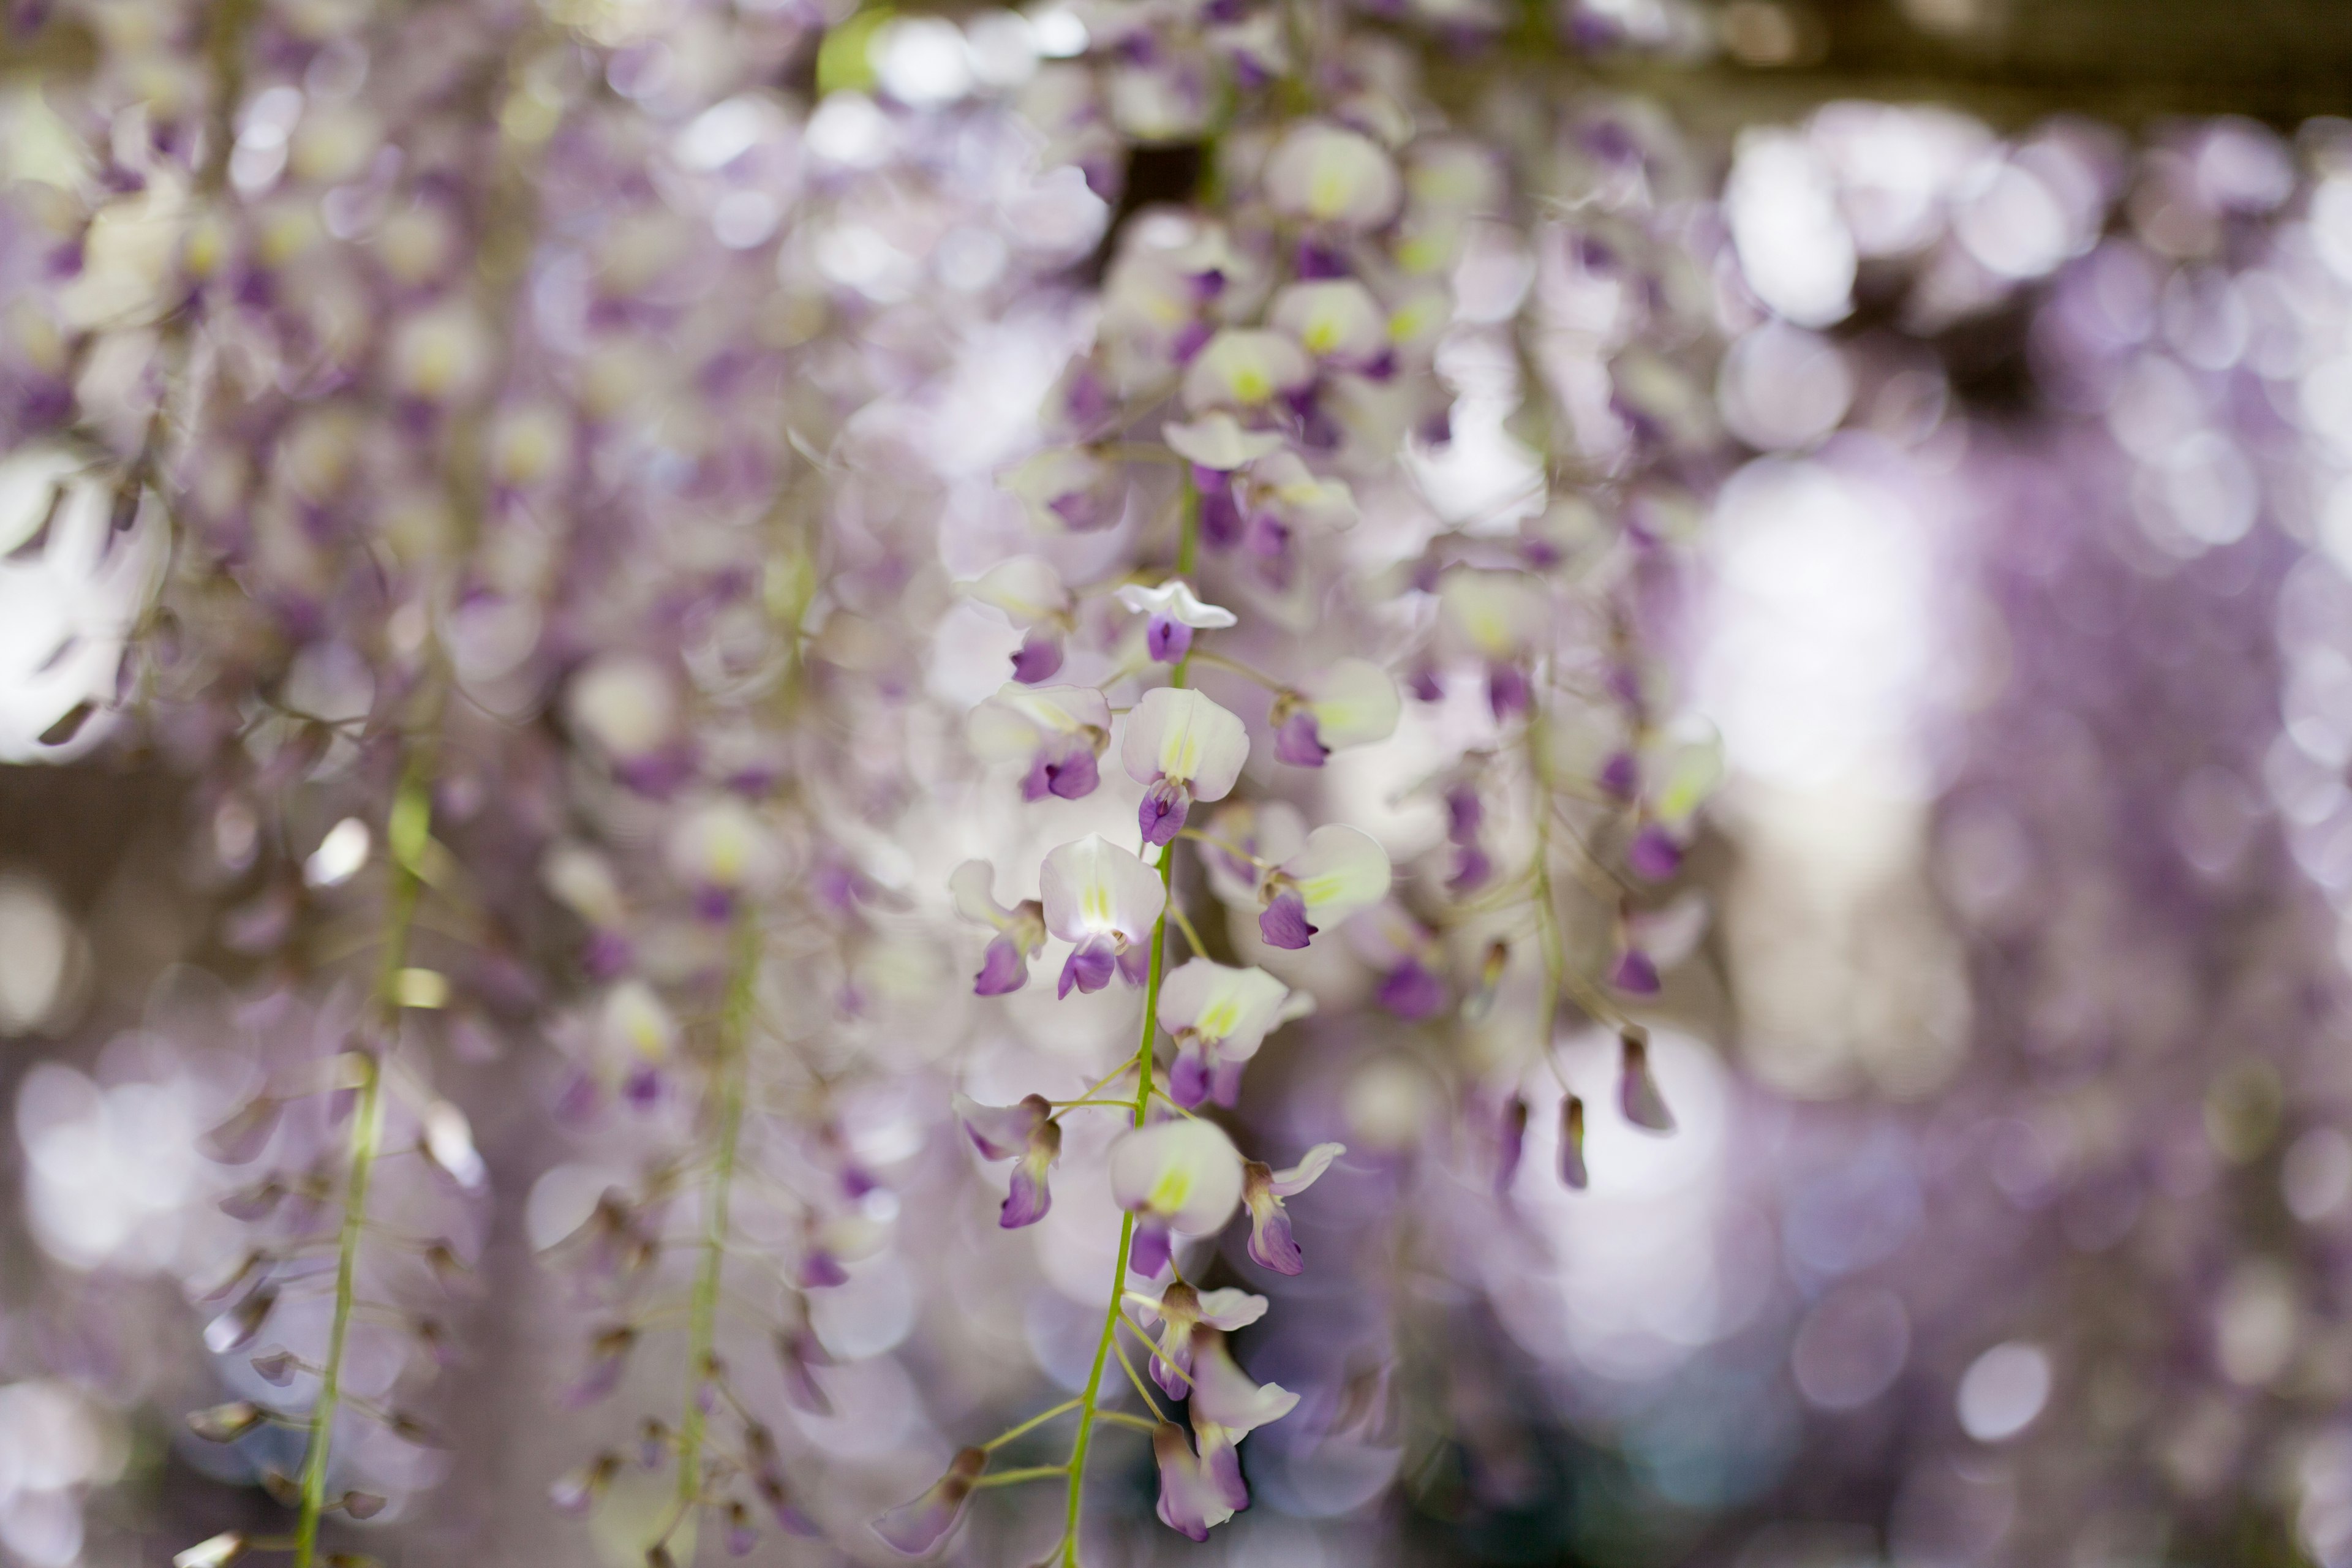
[{"x": 1253, "y": 782}]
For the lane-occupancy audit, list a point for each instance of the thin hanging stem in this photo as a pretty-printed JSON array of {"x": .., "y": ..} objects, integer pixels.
[
  {"x": 1186, "y": 548},
  {"x": 410, "y": 823},
  {"x": 702, "y": 1315}
]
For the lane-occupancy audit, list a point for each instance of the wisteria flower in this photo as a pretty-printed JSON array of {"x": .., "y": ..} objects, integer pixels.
[
  {"x": 1175, "y": 614},
  {"x": 1191, "y": 1501},
  {"x": 1282, "y": 491},
  {"x": 1020, "y": 932},
  {"x": 1271, "y": 1243},
  {"x": 1217, "y": 442},
  {"x": 1069, "y": 488},
  {"x": 1227, "y": 1408},
  {"x": 1030, "y": 592},
  {"x": 1498, "y": 614},
  {"x": 1410, "y": 961},
  {"x": 1027, "y": 1132},
  {"x": 627, "y": 702},
  {"x": 1335, "y": 320},
  {"x": 1245, "y": 368},
  {"x": 1181, "y": 1178},
  {"x": 1351, "y": 703},
  {"x": 1181, "y": 1308},
  {"x": 914, "y": 1527},
  {"x": 1104, "y": 901},
  {"x": 1183, "y": 748},
  {"x": 1059, "y": 730},
  {"x": 723, "y": 850},
  {"x": 1324, "y": 175},
  {"x": 1340, "y": 870},
  {"x": 1218, "y": 1016},
  {"x": 1243, "y": 834}
]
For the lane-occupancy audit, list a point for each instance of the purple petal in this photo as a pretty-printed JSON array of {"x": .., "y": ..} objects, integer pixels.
[
  {"x": 1464, "y": 814},
  {"x": 1506, "y": 689},
  {"x": 1222, "y": 1463},
  {"x": 1635, "y": 974},
  {"x": 1167, "y": 640},
  {"x": 1271, "y": 1243},
  {"x": 1040, "y": 658},
  {"x": 1188, "y": 1496},
  {"x": 1471, "y": 869},
  {"x": 1225, "y": 1082},
  {"x": 1654, "y": 855},
  {"x": 1424, "y": 684},
  {"x": 1283, "y": 922},
  {"x": 1088, "y": 967},
  {"x": 1297, "y": 742},
  {"x": 799, "y": 1352},
  {"x": 1161, "y": 814},
  {"x": 1003, "y": 968},
  {"x": 1074, "y": 774},
  {"x": 1412, "y": 992},
  {"x": 1620, "y": 776},
  {"x": 821, "y": 1270},
  {"x": 1188, "y": 1079},
  {"x": 1030, "y": 1198},
  {"x": 1149, "y": 1253},
  {"x": 239, "y": 1139}
]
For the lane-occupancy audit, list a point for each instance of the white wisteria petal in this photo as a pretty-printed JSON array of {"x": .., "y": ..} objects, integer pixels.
[
  {"x": 1026, "y": 587},
  {"x": 626, "y": 701},
  {"x": 1334, "y": 318},
  {"x": 1311, "y": 1165},
  {"x": 1497, "y": 612},
  {"x": 1340, "y": 870},
  {"x": 1216, "y": 440},
  {"x": 724, "y": 843},
  {"x": 1354, "y": 702},
  {"x": 1175, "y": 599},
  {"x": 1185, "y": 1172},
  {"x": 972, "y": 886},
  {"x": 1271, "y": 830},
  {"x": 1223, "y": 1393},
  {"x": 1005, "y": 728},
  {"x": 1093, "y": 888},
  {"x": 1177, "y": 733},
  {"x": 1292, "y": 489},
  {"x": 1246, "y": 367},
  {"x": 636, "y": 1019},
  {"x": 1231, "y": 1009},
  {"x": 1230, "y": 1309},
  {"x": 1326, "y": 174}
]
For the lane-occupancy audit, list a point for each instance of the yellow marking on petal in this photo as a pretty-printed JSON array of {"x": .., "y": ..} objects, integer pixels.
[{"x": 1169, "y": 1193}]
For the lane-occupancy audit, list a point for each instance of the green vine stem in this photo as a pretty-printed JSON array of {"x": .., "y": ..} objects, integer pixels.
[
  {"x": 729, "y": 1072},
  {"x": 408, "y": 830}
]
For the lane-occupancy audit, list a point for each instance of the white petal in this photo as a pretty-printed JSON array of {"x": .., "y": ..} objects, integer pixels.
[
  {"x": 1224, "y": 1393},
  {"x": 1233, "y": 1009},
  {"x": 1310, "y": 1167},
  {"x": 636, "y": 1020},
  {"x": 1334, "y": 318},
  {"x": 1091, "y": 887},
  {"x": 1686, "y": 770},
  {"x": 626, "y": 701},
  {"x": 1058, "y": 710},
  {"x": 726, "y": 844},
  {"x": 1496, "y": 612},
  {"x": 1246, "y": 367},
  {"x": 1177, "y": 733},
  {"x": 1330, "y": 175},
  {"x": 1026, "y": 587},
  {"x": 1176, "y": 600},
  {"x": 1355, "y": 703},
  {"x": 1216, "y": 440},
  {"x": 1187, "y": 1173},
  {"x": 1273, "y": 830},
  {"x": 1230, "y": 1310},
  {"x": 1301, "y": 494},
  {"x": 973, "y": 885},
  {"x": 1341, "y": 869}
]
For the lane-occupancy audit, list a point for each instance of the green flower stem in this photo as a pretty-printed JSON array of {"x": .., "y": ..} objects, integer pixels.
[
  {"x": 703, "y": 1312},
  {"x": 1187, "y": 547},
  {"x": 409, "y": 825}
]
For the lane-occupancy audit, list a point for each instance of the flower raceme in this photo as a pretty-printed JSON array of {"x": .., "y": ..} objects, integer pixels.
[{"x": 1182, "y": 748}]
